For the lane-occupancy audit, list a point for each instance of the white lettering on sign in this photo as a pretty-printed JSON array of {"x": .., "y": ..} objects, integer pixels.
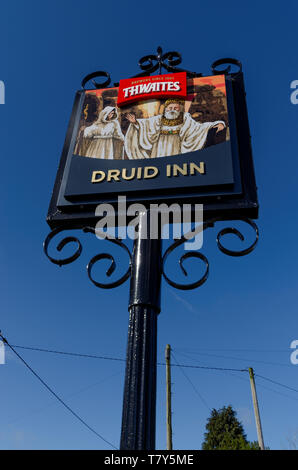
[{"x": 151, "y": 87}]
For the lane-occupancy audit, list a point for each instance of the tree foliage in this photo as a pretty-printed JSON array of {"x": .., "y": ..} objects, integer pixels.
[{"x": 225, "y": 432}]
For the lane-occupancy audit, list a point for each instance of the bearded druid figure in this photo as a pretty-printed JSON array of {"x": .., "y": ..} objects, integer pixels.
[
  {"x": 104, "y": 137},
  {"x": 171, "y": 133}
]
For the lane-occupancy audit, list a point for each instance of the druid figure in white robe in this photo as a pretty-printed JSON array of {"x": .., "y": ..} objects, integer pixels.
[
  {"x": 171, "y": 133},
  {"x": 104, "y": 136}
]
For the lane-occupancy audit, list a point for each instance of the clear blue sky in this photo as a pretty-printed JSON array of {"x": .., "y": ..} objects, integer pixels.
[{"x": 244, "y": 315}]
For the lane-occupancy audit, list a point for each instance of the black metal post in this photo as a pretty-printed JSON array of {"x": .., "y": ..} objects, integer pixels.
[{"x": 139, "y": 401}]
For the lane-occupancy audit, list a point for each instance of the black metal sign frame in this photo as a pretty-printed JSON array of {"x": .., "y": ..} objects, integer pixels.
[{"x": 232, "y": 202}]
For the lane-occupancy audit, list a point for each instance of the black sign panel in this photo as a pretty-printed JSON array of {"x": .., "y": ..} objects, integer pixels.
[{"x": 195, "y": 150}]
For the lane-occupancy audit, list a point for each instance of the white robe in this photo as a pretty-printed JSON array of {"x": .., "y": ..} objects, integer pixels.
[
  {"x": 146, "y": 140},
  {"x": 105, "y": 137}
]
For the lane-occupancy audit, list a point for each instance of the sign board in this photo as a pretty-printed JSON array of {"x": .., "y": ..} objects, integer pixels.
[{"x": 162, "y": 138}]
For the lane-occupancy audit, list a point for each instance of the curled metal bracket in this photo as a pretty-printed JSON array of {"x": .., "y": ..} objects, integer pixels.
[
  {"x": 149, "y": 64},
  {"x": 93, "y": 75},
  {"x": 194, "y": 254},
  {"x": 189, "y": 254},
  {"x": 95, "y": 259},
  {"x": 236, "y": 232},
  {"x": 60, "y": 247},
  {"x": 109, "y": 271},
  {"x": 169, "y": 61},
  {"x": 228, "y": 62},
  {"x": 112, "y": 267}
]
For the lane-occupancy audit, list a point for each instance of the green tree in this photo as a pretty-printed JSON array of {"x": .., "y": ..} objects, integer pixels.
[{"x": 225, "y": 432}]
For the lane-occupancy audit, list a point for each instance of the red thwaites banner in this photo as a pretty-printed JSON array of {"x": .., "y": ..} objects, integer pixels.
[{"x": 157, "y": 86}]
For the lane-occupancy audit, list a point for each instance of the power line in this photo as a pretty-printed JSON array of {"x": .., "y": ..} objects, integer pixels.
[
  {"x": 236, "y": 359},
  {"x": 190, "y": 366},
  {"x": 90, "y": 356},
  {"x": 77, "y": 392},
  {"x": 277, "y": 392},
  {"x": 277, "y": 383},
  {"x": 55, "y": 394},
  {"x": 195, "y": 350},
  {"x": 256, "y": 375},
  {"x": 93, "y": 356},
  {"x": 193, "y": 386},
  {"x": 108, "y": 358}
]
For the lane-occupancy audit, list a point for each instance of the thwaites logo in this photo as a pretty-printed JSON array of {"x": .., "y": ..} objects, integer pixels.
[{"x": 157, "y": 86}]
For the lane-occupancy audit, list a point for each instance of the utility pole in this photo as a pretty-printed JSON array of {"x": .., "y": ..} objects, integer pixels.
[
  {"x": 169, "y": 397},
  {"x": 256, "y": 408}
]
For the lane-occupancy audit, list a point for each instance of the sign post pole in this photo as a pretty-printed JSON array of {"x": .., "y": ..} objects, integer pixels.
[
  {"x": 139, "y": 400},
  {"x": 169, "y": 397}
]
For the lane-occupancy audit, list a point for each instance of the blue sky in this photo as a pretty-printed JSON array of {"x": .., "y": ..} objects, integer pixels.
[{"x": 244, "y": 315}]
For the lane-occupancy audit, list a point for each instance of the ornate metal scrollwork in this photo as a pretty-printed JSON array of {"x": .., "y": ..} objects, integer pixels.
[
  {"x": 169, "y": 61},
  {"x": 60, "y": 247},
  {"x": 234, "y": 231},
  {"x": 195, "y": 254},
  {"x": 93, "y": 75},
  {"x": 228, "y": 62},
  {"x": 189, "y": 254},
  {"x": 112, "y": 267},
  {"x": 94, "y": 260}
]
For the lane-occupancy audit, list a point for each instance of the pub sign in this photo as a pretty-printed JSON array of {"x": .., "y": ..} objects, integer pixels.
[{"x": 174, "y": 137}]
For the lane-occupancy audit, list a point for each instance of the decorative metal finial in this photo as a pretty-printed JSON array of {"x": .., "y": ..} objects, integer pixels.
[{"x": 169, "y": 61}]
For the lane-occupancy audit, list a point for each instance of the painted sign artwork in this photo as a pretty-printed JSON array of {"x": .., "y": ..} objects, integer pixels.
[{"x": 153, "y": 128}]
